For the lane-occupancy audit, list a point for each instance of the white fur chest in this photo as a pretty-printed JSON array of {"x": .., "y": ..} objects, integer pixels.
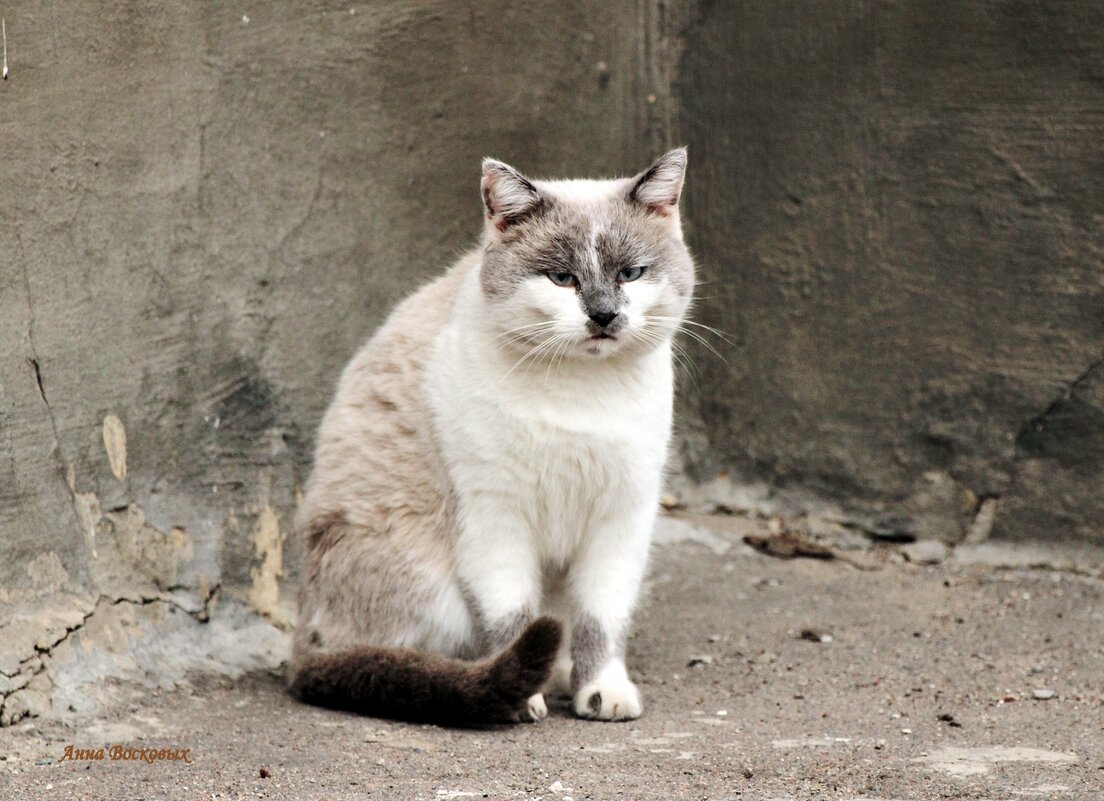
[{"x": 566, "y": 447}]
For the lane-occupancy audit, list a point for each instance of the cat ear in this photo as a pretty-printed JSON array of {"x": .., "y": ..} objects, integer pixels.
[
  {"x": 508, "y": 195},
  {"x": 658, "y": 187}
]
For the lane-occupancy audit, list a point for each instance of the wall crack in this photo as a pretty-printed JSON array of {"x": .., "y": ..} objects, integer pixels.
[
  {"x": 37, "y": 664},
  {"x": 1037, "y": 421}
]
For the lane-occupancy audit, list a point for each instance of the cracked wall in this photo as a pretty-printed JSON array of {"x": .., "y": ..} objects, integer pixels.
[{"x": 205, "y": 209}]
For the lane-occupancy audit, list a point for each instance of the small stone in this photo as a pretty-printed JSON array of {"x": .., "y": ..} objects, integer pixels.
[
  {"x": 714, "y": 637},
  {"x": 264, "y": 773},
  {"x": 906, "y": 731},
  {"x": 926, "y": 552},
  {"x": 700, "y": 659},
  {"x": 1043, "y": 694},
  {"x": 815, "y": 635},
  {"x": 722, "y": 713},
  {"x": 765, "y": 658},
  {"x": 556, "y": 787}
]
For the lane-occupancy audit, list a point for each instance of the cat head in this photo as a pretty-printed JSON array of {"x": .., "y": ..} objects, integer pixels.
[{"x": 585, "y": 269}]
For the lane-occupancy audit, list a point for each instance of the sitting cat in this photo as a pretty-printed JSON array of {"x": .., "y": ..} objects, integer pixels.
[{"x": 495, "y": 452}]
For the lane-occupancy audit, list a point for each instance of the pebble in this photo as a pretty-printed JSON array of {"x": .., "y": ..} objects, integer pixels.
[
  {"x": 1043, "y": 694},
  {"x": 926, "y": 552},
  {"x": 816, "y": 635},
  {"x": 700, "y": 659}
]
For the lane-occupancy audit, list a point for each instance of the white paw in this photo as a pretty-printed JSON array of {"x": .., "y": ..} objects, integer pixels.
[
  {"x": 538, "y": 710},
  {"x": 611, "y": 696}
]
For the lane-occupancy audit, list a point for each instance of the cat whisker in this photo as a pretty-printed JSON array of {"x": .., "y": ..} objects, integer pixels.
[
  {"x": 525, "y": 333},
  {"x": 693, "y": 335},
  {"x": 533, "y": 355},
  {"x": 715, "y": 331}
]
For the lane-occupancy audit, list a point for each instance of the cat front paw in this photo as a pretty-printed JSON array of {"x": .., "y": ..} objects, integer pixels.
[{"x": 611, "y": 696}]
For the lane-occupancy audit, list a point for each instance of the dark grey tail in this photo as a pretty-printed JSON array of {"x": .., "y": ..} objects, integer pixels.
[{"x": 410, "y": 685}]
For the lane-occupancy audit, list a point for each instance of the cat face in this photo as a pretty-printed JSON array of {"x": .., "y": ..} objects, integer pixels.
[{"x": 586, "y": 269}]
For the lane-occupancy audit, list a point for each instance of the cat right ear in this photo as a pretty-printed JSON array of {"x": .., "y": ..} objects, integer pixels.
[{"x": 507, "y": 194}]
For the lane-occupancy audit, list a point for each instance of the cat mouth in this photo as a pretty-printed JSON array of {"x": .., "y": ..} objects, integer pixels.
[{"x": 594, "y": 337}]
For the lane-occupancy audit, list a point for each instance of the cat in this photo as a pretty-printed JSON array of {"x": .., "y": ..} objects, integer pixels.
[{"x": 495, "y": 452}]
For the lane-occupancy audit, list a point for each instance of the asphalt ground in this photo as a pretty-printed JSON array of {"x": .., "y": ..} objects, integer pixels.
[{"x": 763, "y": 678}]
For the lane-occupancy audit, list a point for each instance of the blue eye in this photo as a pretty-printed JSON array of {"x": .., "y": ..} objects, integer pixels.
[
  {"x": 562, "y": 279},
  {"x": 630, "y": 274}
]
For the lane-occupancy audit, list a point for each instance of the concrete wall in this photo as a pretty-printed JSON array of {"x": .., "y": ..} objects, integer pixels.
[
  {"x": 205, "y": 207},
  {"x": 898, "y": 209},
  {"x": 202, "y": 214}
]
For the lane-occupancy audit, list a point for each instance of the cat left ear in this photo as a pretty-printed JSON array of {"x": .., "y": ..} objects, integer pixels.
[
  {"x": 508, "y": 195},
  {"x": 659, "y": 187}
]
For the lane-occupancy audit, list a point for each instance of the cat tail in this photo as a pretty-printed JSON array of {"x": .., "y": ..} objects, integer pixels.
[{"x": 405, "y": 684}]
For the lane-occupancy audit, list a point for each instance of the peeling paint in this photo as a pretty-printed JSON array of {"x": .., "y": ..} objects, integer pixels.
[
  {"x": 87, "y": 506},
  {"x": 140, "y": 551},
  {"x": 115, "y": 443},
  {"x": 268, "y": 545}
]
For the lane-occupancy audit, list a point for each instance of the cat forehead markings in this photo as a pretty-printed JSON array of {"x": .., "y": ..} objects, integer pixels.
[{"x": 588, "y": 215}]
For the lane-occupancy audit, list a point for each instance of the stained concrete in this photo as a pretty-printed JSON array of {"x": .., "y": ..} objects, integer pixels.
[{"x": 205, "y": 208}]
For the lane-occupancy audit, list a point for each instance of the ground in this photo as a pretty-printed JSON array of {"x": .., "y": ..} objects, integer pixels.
[{"x": 763, "y": 678}]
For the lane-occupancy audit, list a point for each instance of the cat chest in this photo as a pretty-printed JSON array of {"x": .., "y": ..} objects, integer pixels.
[{"x": 566, "y": 482}]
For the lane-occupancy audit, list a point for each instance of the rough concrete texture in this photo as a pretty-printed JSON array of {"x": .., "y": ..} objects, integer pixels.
[
  {"x": 204, "y": 208},
  {"x": 898, "y": 210},
  {"x": 764, "y": 679}
]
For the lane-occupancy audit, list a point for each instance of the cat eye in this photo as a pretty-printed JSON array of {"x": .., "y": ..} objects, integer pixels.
[
  {"x": 562, "y": 279},
  {"x": 630, "y": 274}
]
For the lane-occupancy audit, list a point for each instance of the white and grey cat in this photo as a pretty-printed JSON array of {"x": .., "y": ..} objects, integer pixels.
[{"x": 495, "y": 453}]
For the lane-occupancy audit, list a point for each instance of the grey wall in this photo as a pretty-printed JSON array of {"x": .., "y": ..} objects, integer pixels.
[
  {"x": 201, "y": 217},
  {"x": 897, "y": 210}
]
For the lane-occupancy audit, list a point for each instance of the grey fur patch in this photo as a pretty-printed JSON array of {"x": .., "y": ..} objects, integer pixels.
[{"x": 590, "y": 650}]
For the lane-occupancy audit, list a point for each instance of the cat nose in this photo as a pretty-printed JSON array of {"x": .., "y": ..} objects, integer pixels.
[{"x": 603, "y": 318}]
